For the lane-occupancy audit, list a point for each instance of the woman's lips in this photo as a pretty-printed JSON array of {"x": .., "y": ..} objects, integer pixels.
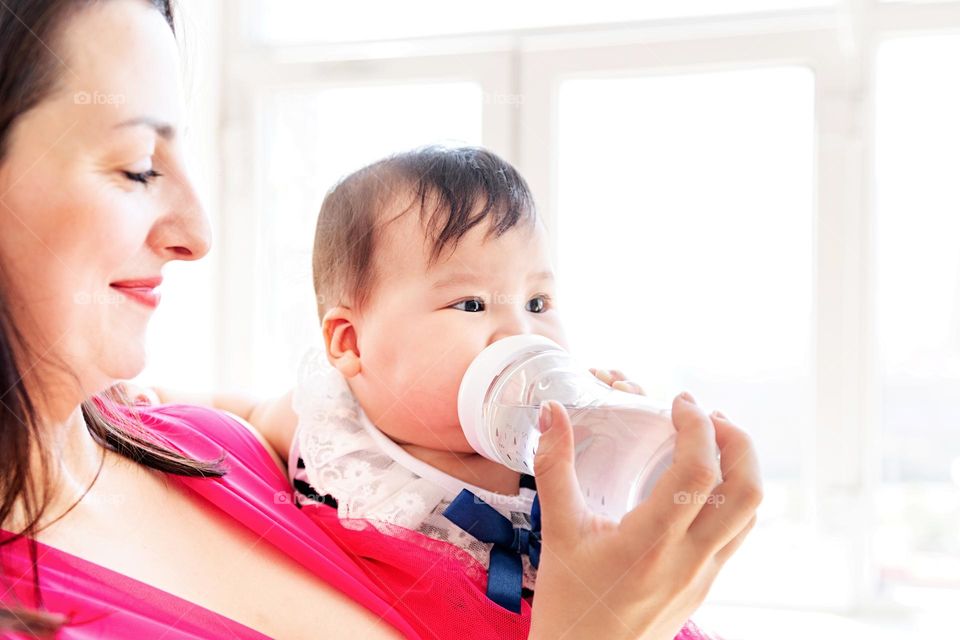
[{"x": 143, "y": 291}]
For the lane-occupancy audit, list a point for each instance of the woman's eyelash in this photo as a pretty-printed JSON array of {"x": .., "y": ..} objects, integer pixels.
[{"x": 144, "y": 177}]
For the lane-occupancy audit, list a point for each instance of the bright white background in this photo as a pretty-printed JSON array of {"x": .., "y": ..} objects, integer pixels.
[{"x": 754, "y": 200}]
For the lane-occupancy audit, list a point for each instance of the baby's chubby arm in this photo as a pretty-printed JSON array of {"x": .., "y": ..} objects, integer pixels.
[
  {"x": 277, "y": 421},
  {"x": 274, "y": 419}
]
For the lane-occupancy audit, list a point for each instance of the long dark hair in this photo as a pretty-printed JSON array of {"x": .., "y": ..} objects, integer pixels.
[{"x": 28, "y": 73}]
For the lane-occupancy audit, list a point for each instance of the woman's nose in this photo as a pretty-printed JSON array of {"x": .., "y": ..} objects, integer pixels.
[{"x": 184, "y": 232}]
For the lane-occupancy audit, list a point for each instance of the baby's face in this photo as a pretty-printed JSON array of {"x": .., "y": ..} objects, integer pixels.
[{"x": 423, "y": 324}]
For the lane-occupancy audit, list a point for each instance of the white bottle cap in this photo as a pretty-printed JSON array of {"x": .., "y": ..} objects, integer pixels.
[{"x": 488, "y": 364}]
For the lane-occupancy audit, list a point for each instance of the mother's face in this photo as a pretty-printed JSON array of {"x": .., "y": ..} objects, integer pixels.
[{"x": 94, "y": 196}]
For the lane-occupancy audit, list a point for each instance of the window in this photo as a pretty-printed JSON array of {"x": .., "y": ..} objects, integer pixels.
[
  {"x": 918, "y": 300},
  {"x": 304, "y": 21},
  {"x": 310, "y": 139},
  {"x": 685, "y": 249}
]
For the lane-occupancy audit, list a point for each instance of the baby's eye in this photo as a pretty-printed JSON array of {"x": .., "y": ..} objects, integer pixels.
[
  {"x": 537, "y": 305},
  {"x": 470, "y": 305}
]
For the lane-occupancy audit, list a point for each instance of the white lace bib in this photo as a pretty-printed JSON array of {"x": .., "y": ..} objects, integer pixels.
[{"x": 372, "y": 478}]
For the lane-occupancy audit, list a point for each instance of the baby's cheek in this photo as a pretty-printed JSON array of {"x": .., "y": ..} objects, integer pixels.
[{"x": 435, "y": 401}]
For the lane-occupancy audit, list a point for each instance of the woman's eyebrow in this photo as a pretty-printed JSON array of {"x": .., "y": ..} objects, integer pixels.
[{"x": 164, "y": 129}]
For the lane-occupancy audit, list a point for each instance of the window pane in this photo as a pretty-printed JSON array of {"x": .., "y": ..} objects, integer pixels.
[
  {"x": 918, "y": 297},
  {"x": 182, "y": 334},
  {"x": 301, "y": 21},
  {"x": 685, "y": 255},
  {"x": 310, "y": 139}
]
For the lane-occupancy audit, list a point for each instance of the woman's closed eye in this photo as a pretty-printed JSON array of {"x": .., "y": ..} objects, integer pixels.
[{"x": 143, "y": 177}]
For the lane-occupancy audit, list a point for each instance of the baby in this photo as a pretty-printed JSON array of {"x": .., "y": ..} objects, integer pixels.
[{"x": 420, "y": 261}]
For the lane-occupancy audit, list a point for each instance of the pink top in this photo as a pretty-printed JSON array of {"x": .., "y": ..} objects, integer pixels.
[
  {"x": 254, "y": 492},
  {"x": 422, "y": 594}
]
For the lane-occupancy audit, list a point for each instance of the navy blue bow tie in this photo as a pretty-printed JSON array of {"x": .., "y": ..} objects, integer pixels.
[{"x": 505, "y": 575}]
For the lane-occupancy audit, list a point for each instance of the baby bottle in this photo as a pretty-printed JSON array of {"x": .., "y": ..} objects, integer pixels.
[{"x": 623, "y": 441}]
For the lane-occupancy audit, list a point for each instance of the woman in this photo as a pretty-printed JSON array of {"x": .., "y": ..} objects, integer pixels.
[{"x": 129, "y": 523}]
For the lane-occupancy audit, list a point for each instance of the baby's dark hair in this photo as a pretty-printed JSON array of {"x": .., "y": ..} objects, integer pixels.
[{"x": 454, "y": 189}]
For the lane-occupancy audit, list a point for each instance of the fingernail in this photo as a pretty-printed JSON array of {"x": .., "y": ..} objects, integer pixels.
[
  {"x": 718, "y": 414},
  {"x": 689, "y": 398},
  {"x": 546, "y": 416}
]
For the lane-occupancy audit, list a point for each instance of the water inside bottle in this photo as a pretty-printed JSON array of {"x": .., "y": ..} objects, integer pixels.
[{"x": 619, "y": 449}]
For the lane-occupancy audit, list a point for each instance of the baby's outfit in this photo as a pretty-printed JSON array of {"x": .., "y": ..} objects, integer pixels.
[
  {"x": 451, "y": 558},
  {"x": 340, "y": 461}
]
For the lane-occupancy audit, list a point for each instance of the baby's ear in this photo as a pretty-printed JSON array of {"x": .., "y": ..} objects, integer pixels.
[{"x": 340, "y": 338}]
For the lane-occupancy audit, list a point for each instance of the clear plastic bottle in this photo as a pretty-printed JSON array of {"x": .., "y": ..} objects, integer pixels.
[{"x": 624, "y": 441}]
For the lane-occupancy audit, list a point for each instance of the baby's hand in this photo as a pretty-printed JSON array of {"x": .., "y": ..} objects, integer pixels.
[
  {"x": 139, "y": 395},
  {"x": 616, "y": 379}
]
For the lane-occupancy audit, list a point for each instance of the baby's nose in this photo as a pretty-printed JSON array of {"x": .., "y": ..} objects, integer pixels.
[{"x": 500, "y": 335}]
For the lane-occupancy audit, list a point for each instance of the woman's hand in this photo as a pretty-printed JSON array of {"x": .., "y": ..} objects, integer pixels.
[{"x": 644, "y": 576}]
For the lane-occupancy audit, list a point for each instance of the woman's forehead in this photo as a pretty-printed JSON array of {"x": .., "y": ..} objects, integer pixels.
[{"x": 116, "y": 61}]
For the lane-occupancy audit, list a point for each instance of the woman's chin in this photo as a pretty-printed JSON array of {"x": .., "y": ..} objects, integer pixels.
[{"x": 127, "y": 368}]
